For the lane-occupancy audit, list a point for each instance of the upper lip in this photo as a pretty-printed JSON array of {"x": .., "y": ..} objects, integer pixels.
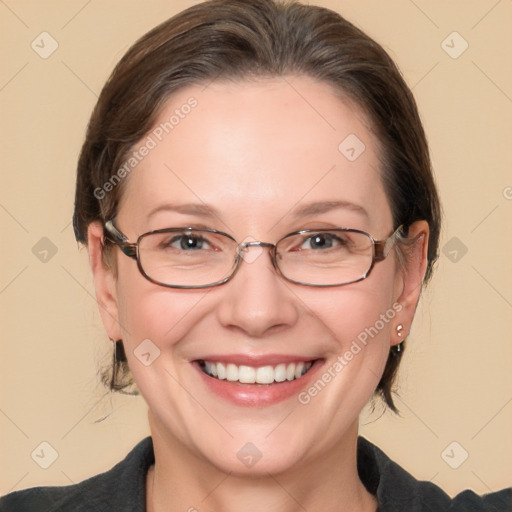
[{"x": 256, "y": 360}]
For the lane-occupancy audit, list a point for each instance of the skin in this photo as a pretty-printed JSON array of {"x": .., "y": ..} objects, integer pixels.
[{"x": 257, "y": 152}]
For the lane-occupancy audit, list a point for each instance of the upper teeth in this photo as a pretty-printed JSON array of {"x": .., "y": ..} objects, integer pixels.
[{"x": 261, "y": 375}]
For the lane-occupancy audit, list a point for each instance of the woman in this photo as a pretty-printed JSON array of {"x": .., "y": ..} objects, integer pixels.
[{"x": 256, "y": 196}]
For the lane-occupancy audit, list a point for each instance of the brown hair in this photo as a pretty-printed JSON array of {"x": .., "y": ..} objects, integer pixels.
[{"x": 237, "y": 39}]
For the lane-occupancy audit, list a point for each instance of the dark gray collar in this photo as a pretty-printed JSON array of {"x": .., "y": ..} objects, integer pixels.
[{"x": 123, "y": 488}]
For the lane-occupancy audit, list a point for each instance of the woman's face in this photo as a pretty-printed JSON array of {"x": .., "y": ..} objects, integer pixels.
[{"x": 257, "y": 160}]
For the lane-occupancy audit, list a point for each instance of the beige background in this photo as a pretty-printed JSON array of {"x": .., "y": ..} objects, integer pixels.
[{"x": 455, "y": 383}]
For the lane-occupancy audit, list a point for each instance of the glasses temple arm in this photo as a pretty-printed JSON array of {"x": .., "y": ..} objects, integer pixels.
[
  {"x": 382, "y": 247},
  {"x": 115, "y": 236}
]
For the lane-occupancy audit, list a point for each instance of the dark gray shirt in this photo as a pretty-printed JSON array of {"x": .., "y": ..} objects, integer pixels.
[{"x": 123, "y": 489}]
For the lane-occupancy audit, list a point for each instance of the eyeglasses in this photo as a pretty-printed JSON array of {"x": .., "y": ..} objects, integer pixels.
[{"x": 187, "y": 257}]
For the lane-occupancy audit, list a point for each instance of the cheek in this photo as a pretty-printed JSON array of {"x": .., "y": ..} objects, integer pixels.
[
  {"x": 363, "y": 311},
  {"x": 359, "y": 320},
  {"x": 155, "y": 321},
  {"x": 148, "y": 311}
]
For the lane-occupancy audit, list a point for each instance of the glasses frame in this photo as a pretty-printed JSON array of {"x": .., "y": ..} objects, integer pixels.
[{"x": 380, "y": 250}]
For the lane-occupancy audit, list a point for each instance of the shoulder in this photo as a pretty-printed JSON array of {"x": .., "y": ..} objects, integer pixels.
[
  {"x": 121, "y": 488},
  {"x": 398, "y": 490}
]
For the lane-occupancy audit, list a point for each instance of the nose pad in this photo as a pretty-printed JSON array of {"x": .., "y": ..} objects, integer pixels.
[
  {"x": 256, "y": 249},
  {"x": 250, "y": 250}
]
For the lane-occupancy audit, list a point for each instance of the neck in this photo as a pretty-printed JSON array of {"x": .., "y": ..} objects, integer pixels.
[{"x": 181, "y": 481}]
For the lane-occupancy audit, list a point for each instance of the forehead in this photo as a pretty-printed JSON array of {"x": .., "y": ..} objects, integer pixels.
[{"x": 258, "y": 149}]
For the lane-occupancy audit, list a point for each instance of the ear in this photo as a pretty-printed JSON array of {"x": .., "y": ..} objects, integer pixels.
[
  {"x": 411, "y": 276},
  {"x": 104, "y": 282}
]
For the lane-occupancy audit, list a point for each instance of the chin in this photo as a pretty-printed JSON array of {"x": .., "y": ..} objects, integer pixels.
[{"x": 251, "y": 462}]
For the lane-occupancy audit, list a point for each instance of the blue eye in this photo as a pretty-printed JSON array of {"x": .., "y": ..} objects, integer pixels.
[
  {"x": 187, "y": 242},
  {"x": 321, "y": 241}
]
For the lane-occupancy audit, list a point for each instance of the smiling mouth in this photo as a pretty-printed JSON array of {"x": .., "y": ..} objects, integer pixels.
[{"x": 255, "y": 375}]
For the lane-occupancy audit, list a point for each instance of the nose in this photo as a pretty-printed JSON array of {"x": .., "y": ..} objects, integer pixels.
[{"x": 257, "y": 300}]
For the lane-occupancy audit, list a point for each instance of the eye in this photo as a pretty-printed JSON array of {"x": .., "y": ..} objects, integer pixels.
[
  {"x": 188, "y": 242},
  {"x": 322, "y": 241}
]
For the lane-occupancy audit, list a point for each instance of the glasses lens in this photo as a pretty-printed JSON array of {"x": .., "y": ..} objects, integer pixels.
[
  {"x": 190, "y": 258},
  {"x": 325, "y": 257}
]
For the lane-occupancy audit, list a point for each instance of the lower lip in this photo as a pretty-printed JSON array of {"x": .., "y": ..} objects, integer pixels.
[{"x": 258, "y": 395}]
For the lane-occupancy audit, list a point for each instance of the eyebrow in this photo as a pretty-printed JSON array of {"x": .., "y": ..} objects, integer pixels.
[
  {"x": 202, "y": 210},
  {"x": 320, "y": 207},
  {"x": 315, "y": 208}
]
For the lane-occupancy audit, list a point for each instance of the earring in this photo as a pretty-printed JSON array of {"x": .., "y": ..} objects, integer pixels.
[{"x": 399, "y": 333}]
